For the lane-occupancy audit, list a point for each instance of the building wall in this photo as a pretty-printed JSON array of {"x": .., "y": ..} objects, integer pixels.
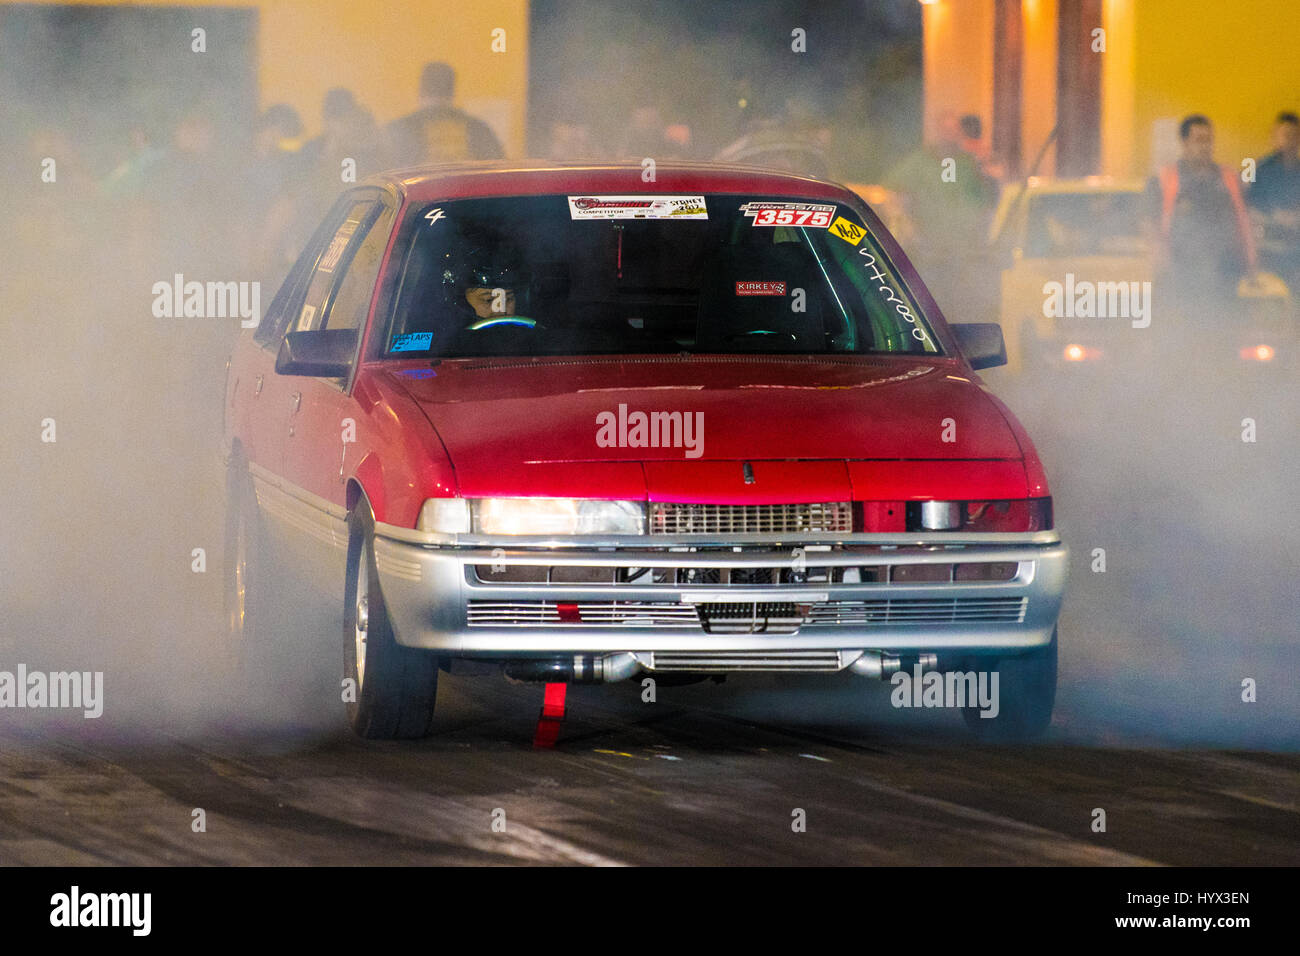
[
  {"x": 1038, "y": 82},
  {"x": 377, "y": 48},
  {"x": 957, "y": 61},
  {"x": 1236, "y": 63}
]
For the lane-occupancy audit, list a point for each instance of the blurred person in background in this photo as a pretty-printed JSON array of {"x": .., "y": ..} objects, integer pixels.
[
  {"x": 648, "y": 136},
  {"x": 973, "y": 143},
  {"x": 1274, "y": 199},
  {"x": 571, "y": 142},
  {"x": 129, "y": 177},
  {"x": 438, "y": 132},
  {"x": 1196, "y": 221},
  {"x": 949, "y": 199},
  {"x": 348, "y": 131},
  {"x": 789, "y": 136},
  {"x": 272, "y": 178}
]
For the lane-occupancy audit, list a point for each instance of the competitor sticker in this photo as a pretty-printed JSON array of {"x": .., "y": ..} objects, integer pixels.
[
  {"x": 337, "y": 245},
  {"x": 760, "y": 288},
  {"x": 816, "y": 215},
  {"x": 637, "y": 207},
  {"x": 847, "y": 231},
  {"x": 411, "y": 342}
]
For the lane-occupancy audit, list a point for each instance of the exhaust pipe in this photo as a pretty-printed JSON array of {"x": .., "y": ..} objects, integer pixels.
[
  {"x": 575, "y": 669},
  {"x": 875, "y": 664},
  {"x": 880, "y": 665}
]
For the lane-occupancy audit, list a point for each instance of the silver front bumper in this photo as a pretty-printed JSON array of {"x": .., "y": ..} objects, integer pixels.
[{"x": 437, "y": 601}]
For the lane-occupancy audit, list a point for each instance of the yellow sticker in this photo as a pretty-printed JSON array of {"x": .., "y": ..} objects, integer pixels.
[{"x": 847, "y": 231}]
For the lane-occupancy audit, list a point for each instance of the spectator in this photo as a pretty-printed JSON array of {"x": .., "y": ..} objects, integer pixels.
[
  {"x": 1275, "y": 200},
  {"x": 348, "y": 131},
  {"x": 948, "y": 200},
  {"x": 438, "y": 132},
  {"x": 1196, "y": 220},
  {"x": 272, "y": 179}
]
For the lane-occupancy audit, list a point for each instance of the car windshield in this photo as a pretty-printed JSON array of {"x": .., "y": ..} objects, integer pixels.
[
  {"x": 597, "y": 274},
  {"x": 1083, "y": 224}
]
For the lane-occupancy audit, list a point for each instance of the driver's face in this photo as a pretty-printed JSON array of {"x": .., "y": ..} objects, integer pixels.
[{"x": 488, "y": 303}]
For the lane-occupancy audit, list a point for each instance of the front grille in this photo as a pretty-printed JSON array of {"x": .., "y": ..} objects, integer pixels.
[
  {"x": 789, "y": 572},
  {"x": 582, "y": 614},
  {"x": 707, "y": 661},
  {"x": 747, "y": 617},
  {"x": 991, "y": 610},
  {"x": 752, "y": 617},
  {"x": 821, "y": 516}
]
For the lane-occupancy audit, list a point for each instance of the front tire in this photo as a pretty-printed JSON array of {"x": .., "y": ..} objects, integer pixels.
[
  {"x": 394, "y": 687},
  {"x": 1026, "y": 697},
  {"x": 247, "y": 601}
]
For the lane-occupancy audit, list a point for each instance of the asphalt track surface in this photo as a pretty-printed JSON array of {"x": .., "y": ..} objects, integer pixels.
[
  {"x": 673, "y": 782},
  {"x": 1150, "y": 726}
]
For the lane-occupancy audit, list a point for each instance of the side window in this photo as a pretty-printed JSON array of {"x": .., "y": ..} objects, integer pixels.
[
  {"x": 333, "y": 265},
  {"x": 352, "y": 299},
  {"x": 283, "y": 308}
]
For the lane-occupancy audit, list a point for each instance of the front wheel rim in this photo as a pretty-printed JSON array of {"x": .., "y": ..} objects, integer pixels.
[
  {"x": 361, "y": 612},
  {"x": 239, "y": 604}
]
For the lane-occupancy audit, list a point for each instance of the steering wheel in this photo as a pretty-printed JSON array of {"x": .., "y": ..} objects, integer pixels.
[{"x": 496, "y": 321}]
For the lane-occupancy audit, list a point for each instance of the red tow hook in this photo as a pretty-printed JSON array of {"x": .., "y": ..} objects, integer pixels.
[{"x": 551, "y": 717}]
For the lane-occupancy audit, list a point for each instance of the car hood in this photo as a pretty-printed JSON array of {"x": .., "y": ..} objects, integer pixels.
[{"x": 502, "y": 421}]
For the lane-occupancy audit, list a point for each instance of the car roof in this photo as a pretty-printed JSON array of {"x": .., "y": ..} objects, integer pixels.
[{"x": 530, "y": 177}]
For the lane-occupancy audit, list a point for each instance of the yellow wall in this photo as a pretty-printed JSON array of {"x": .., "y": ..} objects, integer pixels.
[
  {"x": 1119, "y": 134},
  {"x": 377, "y": 48},
  {"x": 1038, "y": 83},
  {"x": 957, "y": 60},
  {"x": 1236, "y": 63}
]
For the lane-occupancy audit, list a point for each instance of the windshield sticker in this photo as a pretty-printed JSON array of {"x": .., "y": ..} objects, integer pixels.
[
  {"x": 847, "y": 231},
  {"x": 411, "y": 342},
  {"x": 637, "y": 207},
  {"x": 339, "y": 243},
  {"x": 878, "y": 275},
  {"x": 816, "y": 215},
  {"x": 760, "y": 288},
  {"x": 433, "y": 215}
]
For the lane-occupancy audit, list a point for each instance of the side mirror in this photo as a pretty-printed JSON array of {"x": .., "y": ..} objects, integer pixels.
[
  {"x": 323, "y": 353},
  {"x": 981, "y": 343}
]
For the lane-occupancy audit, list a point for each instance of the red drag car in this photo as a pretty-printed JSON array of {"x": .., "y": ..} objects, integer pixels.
[{"x": 580, "y": 427}]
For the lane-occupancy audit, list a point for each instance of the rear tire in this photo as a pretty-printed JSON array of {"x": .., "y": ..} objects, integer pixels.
[
  {"x": 394, "y": 687},
  {"x": 1026, "y": 697}
]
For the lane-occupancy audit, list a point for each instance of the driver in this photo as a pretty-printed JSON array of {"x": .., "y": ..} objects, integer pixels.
[{"x": 486, "y": 285}]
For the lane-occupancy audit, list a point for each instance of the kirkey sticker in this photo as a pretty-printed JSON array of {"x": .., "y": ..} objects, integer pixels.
[{"x": 760, "y": 288}]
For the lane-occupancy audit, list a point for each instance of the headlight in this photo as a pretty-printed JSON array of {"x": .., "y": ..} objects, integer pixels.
[
  {"x": 557, "y": 516},
  {"x": 1025, "y": 514},
  {"x": 444, "y": 515}
]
